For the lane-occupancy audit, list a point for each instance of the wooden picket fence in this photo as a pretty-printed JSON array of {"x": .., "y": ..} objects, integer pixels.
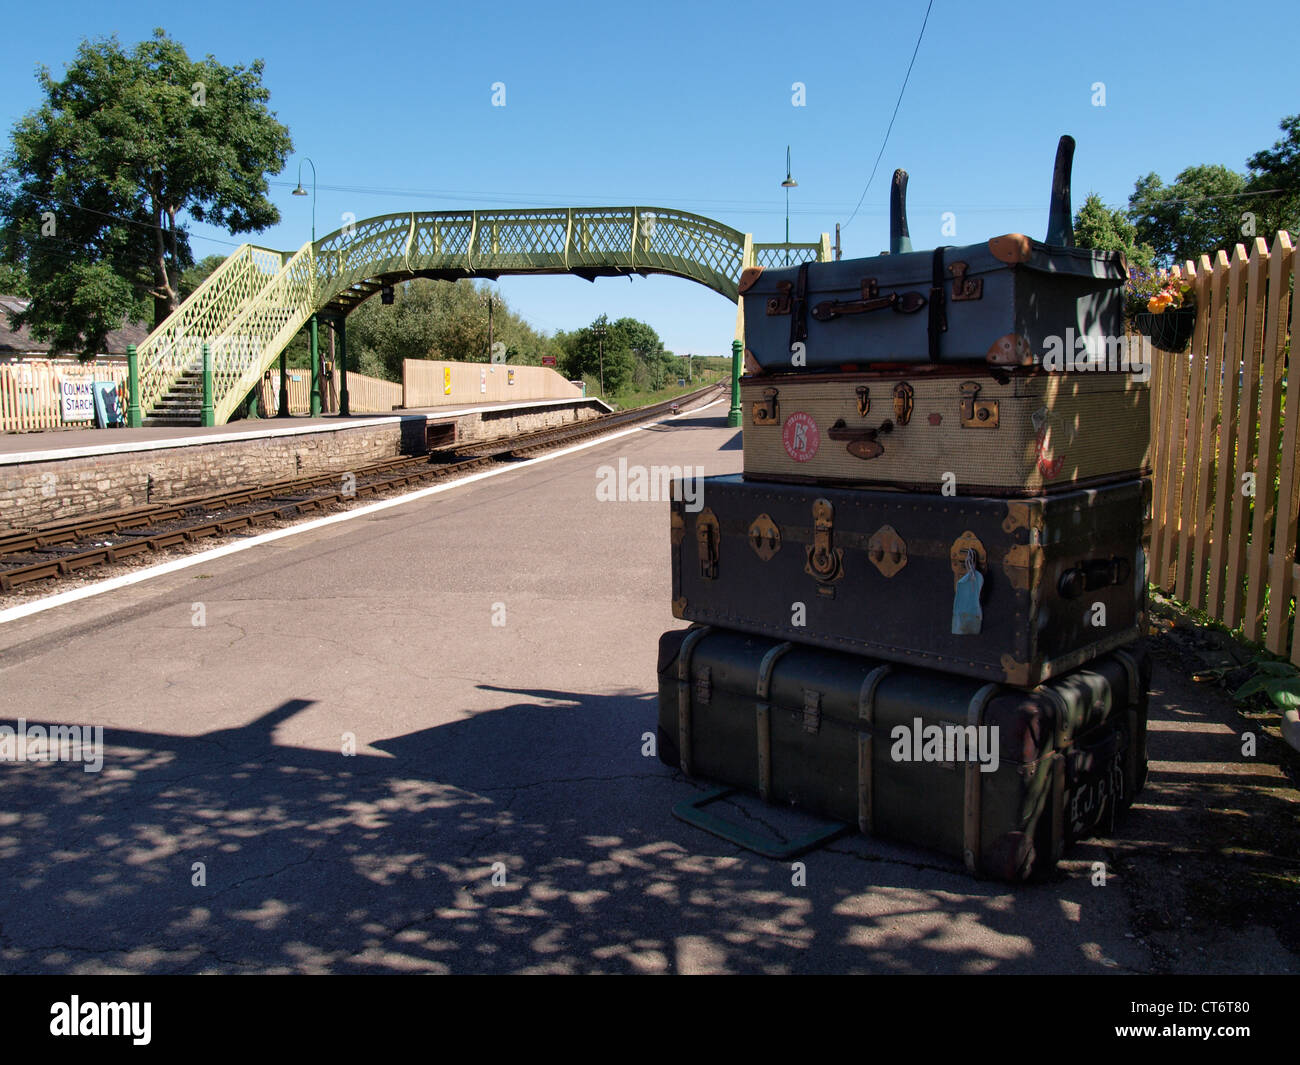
[
  {"x": 366, "y": 395},
  {"x": 1226, "y": 428},
  {"x": 29, "y": 392},
  {"x": 371, "y": 395}
]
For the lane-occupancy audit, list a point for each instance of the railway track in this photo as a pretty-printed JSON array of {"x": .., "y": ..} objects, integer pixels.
[{"x": 62, "y": 549}]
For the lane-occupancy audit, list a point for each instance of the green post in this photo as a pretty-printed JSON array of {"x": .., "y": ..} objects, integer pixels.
[
  {"x": 284, "y": 386},
  {"x": 341, "y": 329},
  {"x": 209, "y": 416},
  {"x": 133, "y": 418},
  {"x": 733, "y": 415},
  {"x": 315, "y": 370}
]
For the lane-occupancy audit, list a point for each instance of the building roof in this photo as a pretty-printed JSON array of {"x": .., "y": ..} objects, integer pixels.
[{"x": 21, "y": 342}]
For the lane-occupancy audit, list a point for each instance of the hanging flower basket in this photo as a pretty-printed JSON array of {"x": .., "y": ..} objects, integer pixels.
[{"x": 1169, "y": 330}]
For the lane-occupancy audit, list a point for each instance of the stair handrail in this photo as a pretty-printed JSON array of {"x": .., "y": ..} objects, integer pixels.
[{"x": 165, "y": 353}]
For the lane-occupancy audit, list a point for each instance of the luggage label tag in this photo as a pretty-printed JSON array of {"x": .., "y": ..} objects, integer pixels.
[{"x": 967, "y": 615}]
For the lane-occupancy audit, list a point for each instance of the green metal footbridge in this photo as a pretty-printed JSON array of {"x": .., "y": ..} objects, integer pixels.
[{"x": 251, "y": 306}]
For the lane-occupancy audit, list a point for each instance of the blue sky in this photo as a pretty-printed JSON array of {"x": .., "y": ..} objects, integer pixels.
[{"x": 689, "y": 105}]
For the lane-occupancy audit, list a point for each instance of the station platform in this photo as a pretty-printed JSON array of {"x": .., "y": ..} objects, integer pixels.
[
  {"x": 60, "y": 444},
  {"x": 63, "y": 475}
]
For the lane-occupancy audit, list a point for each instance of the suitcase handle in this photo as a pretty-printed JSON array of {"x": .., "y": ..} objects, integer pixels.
[
  {"x": 862, "y": 443},
  {"x": 1091, "y": 575},
  {"x": 872, "y": 300}
]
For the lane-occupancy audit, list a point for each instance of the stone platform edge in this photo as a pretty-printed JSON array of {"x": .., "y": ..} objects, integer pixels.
[{"x": 429, "y": 414}]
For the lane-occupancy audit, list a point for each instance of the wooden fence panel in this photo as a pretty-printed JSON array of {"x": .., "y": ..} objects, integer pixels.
[
  {"x": 1229, "y": 377},
  {"x": 1247, "y": 417},
  {"x": 1272, "y": 375},
  {"x": 372, "y": 395},
  {"x": 1197, "y": 468},
  {"x": 1223, "y": 414},
  {"x": 1219, "y": 351},
  {"x": 29, "y": 392},
  {"x": 1281, "y": 572},
  {"x": 1159, "y": 384},
  {"x": 1174, "y": 487}
]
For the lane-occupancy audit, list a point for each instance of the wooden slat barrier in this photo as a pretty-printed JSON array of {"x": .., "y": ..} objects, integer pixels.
[
  {"x": 1226, "y": 430},
  {"x": 366, "y": 395},
  {"x": 29, "y": 392}
]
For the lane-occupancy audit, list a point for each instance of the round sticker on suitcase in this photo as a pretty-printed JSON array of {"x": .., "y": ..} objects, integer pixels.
[{"x": 800, "y": 436}]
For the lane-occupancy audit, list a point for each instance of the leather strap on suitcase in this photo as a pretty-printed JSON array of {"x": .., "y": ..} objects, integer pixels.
[
  {"x": 684, "y": 694},
  {"x": 763, "y": 709},
  {"x": 971, "y": 810},
  {"x": 938, "y": 311},
  {"x": 867, "y": 718},
  {"x": 799, "y": 308}
]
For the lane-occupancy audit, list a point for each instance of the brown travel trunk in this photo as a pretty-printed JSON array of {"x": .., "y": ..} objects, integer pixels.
[
  {"x": 1061, "y": 578},
  {"x": 948, "y": 430}
]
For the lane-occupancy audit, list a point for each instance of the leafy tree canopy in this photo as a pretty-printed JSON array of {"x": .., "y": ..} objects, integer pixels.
[
  {"x": 98, "y": 181},
  {"x": 13, "y": 282},
  {"x": 1276, "y": 173},
  {"x": 1097, "y": 226},
  {"x": 1201, "y": 211},
  {"x": 438, "y": 320}
]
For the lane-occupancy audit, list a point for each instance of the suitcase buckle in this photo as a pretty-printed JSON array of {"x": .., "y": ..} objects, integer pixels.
[
  {"x": 903, "y": 402},
  {"x": 780, "y": 303},
  {"x": 977, "y": 413},
  {"x": 812, "y": 711},
  {"x": 963, "y": 287},
  {"x": 706, "y": 540},
  {"x": 864, "y": 400},
  {"x": 766, "y": 411},
  {"x": 825, "y": 562}
]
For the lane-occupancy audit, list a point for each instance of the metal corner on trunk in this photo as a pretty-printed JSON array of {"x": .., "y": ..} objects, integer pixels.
[{"x": 1011, "y": 248}]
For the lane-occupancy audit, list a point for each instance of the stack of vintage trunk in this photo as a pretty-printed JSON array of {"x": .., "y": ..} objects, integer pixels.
[{"x": 919, "y": 610}]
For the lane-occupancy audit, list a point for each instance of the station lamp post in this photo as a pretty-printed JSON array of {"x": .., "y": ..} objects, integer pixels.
[
  {"x": 788, "y": 184},
  {"x": 600, "y": 331},
  {"x": 315, "y": 339}
]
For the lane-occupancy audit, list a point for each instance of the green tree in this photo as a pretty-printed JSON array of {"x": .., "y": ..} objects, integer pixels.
[
  {"x": 198, "y": 273},
  {"x": 588, "y": 354},
  {"x": 1097, "y": 226},
  {"x": 1275, "y": 177},
  {"x": 380, "y": 337},
  {"x": 99, "y": 179},
  {"x": 1199, "y": 213},
  {"x": 13, "y": 281}
]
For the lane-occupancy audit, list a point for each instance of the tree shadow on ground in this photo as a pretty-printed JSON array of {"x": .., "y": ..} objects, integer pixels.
[{"x": 494, "y": 843}]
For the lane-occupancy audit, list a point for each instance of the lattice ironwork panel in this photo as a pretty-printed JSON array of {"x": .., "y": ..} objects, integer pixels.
[
  {"x": 786, "y": 254},
  {"x": 256, "y": 337},
  {"x": 441, "y": 240},
  {"x": 176, "y": 345},
  {"x": 520, "y": 239}
]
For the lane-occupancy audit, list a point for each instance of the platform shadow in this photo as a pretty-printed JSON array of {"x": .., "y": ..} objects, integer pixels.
[{"x": 534, "y": 836}]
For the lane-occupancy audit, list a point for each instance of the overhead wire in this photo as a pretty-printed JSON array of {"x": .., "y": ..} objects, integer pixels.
[{"x": 897, "y": 104}]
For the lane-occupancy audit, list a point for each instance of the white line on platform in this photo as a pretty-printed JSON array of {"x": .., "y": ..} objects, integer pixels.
[{"x": 128, "y": 579}]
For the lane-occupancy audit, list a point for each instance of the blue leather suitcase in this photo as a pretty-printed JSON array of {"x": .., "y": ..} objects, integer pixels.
[{"x": 1006, "y": 302}]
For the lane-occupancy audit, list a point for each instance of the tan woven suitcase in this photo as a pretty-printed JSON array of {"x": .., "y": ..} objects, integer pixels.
[{"x": 951, "y": 430}]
